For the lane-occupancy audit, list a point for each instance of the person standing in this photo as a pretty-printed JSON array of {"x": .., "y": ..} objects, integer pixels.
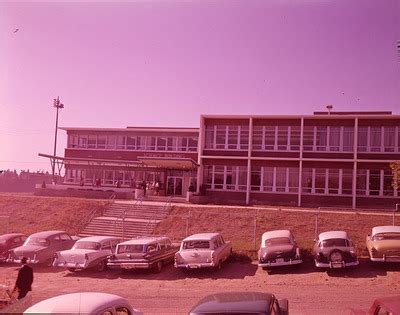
[{"x": 23, "y": 284}]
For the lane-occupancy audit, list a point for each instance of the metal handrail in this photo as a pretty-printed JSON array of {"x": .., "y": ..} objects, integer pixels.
[
  {"x": 165, "y": 208},
  {"x": 123, "y": 215},
  {"x": 89, "y": 217}
]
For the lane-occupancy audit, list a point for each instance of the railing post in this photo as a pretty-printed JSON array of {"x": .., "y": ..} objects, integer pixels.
[{"x": 394, "y": 212}]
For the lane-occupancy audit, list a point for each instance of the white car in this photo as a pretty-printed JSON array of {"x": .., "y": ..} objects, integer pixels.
[
  {"x": 88, "y": 303},
  {"x": 88, "y": 252},
  {"x": 204, "y": 250}
]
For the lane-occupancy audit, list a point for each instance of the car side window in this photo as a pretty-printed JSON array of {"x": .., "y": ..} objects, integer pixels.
[
  {"x": 168, "y": 244},
  {"x": 64, "y": 237},
  {"x": 151, "y": 248},
  {"x": 106, "y": 245},
  {"x": 222, "y": 240},
  {"x": 16, "y": 240},
  {"x": 381, "y": 311},
  {"x": 215, "y": 243}
]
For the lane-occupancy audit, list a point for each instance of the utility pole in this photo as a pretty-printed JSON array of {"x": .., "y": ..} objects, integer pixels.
[{"x": 57, "y": 104}]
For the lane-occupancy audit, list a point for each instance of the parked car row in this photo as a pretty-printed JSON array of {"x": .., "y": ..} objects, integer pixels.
[{"x": 332, "y": 249}]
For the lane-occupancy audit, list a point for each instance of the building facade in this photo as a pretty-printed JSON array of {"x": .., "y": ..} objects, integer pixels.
[{"x": 324, "y": 159}]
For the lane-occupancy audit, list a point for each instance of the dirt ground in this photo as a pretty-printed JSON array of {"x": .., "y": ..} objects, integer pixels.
[{"x": 172, "y": 291}]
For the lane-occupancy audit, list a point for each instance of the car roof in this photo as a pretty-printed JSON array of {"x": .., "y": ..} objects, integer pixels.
[
  {"x": 385, "y": 229},
  {"x": 10, "y": 235},
  {"x": 47, "y": 233},
  {"x": 71, "y": 303},
  {"x": 333, "y": 234},
  {"x": 276, "y": 233},
  {"x": 234, "y": 302},
  {"x": 201, "y": 236},
  {"x": 144, "y": 240},
  {"x": 97, "y": 239}
]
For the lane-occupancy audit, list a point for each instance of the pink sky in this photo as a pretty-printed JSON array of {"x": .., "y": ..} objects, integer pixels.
[{"x": 163, "y": 63}]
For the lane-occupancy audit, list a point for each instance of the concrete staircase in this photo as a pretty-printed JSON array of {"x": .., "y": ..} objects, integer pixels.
[{"x": 126, "y": 220}]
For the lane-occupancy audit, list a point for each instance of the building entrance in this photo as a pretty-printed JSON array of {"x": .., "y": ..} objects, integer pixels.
[{"x": 174, "y": 185}]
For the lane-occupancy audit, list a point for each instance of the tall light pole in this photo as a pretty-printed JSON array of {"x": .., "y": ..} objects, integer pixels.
[{"x": 57, "y": 104}]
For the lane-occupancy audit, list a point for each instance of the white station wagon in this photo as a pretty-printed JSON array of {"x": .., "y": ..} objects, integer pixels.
[
  {"x": 88, "y": 303},
  {"x": 204, "y": 250},
  {"x": 88, "y": 252}
]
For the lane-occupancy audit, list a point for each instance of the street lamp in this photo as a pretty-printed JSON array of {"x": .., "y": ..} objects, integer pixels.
[{"x": 57, "y": 104}]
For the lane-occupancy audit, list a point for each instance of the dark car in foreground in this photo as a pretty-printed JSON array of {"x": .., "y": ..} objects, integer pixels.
[
  {"x": 39, "y": 248},
  {"x": 381, "y": 306},
  {"x": 241, "y": 303},
  {"x": 8, "y": 242}
]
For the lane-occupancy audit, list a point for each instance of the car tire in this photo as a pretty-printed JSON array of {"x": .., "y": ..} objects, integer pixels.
[
  {"x": 336, "y": 256},
  {"x": 158, "y": 267},
  {"x": 218, "y": 265},
  {"x": 71, "y": 269},
  {"x": 100, "y": 266}
]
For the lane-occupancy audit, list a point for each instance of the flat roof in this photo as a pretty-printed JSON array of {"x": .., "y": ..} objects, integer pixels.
[{"x": 147, "y": 129}]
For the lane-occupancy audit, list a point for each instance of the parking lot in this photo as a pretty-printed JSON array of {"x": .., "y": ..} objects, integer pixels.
[{"x": 172, "y": 291}]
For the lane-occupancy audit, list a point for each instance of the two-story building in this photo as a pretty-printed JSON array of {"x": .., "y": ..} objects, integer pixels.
[{"x": 324, "y": 159}]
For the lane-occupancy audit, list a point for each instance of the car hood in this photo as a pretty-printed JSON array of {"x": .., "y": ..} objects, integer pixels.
[{"x": 28, "y": 249}]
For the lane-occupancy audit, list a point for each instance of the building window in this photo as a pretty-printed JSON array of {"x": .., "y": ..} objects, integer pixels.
[
  {"x": 307, "y": 180},
  {"x": 192, "y": 143},
  {"x": 268, "y": 178},
  {"x": 375, "y": 138},
  {"x": 362, "y": 139},
  {"x": 348, "y": 139},
  {"x": 82, "y": 141},
  {"x": 320, "y": 176},
  {"x": 269, "y": 138},
  {"x": 256, "y": 178},
  {"x": 333, "y": 181},
  {"x": 347, "y": 181},
  {"x": 257, "y": 138},
  {"x": 280, "y": 179},
  {"x": 308, "y": 138},
  {"x": 374, "y": 182},
  {"x": 334, "y": 138},
  {"x": 233, "y": 137},
  {"x": 92, "y": 142},
  {"x": 242, "y": 178},
  {"x": 282, "y": 138},
  {"x": 388, "y": 189},
  {"x": 72, "y": 141},
  {"x": 389, "y": 139},
  {"x": 294, "y": 138},
  {"x": 131, "y": 142},
  {"x": 161, "y": 143},
  {"x": 293, "y": 179},
  {"x": 220, "y": 137},
  {"x": 151, "y": 143},
  {"x": 101, "y": 142},
  {"x": 121, "y": 142},
  {"x": 322, "y": 138},
  {"x": 361, "y": 182},
  {"x": 209, "y": 141},
  {"x": 231, "y": 177},
  {"x": 111, "y": 140}
]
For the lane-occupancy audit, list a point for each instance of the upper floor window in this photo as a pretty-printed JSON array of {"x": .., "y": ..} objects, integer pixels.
[{"x": 223, "y": 137}]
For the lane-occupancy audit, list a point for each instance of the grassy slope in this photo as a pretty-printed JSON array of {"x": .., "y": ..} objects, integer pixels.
[{"x": 30, "y": 214}]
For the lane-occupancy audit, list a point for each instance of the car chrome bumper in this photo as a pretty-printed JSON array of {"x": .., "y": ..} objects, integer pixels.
[
  {"x": 70, "y": 265},
  {"x": 130, "y": 265},
  {"x": 18, "y": 261},
  {"x": 336, "y": 265},
  {"x": 281, "y": 263},
  {"x": 386, "y": 259},
  {"x": 195, "y": 266}
]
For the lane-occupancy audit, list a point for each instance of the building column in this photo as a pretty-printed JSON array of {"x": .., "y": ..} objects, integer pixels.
[
  {"x": 200, "y": 146},
  {"x": 301, "y": 163},
  {"x": 248, "y": 188},
  {"x": 355, "y": 148}
]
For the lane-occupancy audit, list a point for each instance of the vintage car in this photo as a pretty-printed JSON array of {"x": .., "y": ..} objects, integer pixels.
[
  {"x": 381, "y": 306},
  {"x": 241, "y": 303},
  {"x": 278, "y": 248},
  {"x": 40, "y": 247},
  {"x": 383, "y": 244},
  {"x": 148, "y": 252},
  {"x": 87, "y": 252},
  {"x": 334, "y": 249},
  {"x": 205, "y": 250},
  {"x": 90, "y": 303},
  {"x": 8, "y": 242}
]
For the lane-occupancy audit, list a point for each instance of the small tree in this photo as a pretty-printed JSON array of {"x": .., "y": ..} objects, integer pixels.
[{"x": 395, "y": 166}]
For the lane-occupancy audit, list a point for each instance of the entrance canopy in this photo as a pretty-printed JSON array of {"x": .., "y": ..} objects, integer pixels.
[{"x": 169, "y": 162}]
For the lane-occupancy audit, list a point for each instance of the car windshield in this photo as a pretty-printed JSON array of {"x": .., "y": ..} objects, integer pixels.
[
  {"x": 386, "y": 236},
  {"x": 196, "y": 244},
  {"x": 277, "y": 241},
  {"x": 136, "y": 248},
  {"x": 87, "y": 245},
  {"x": 39, "y": 241},
  {"x": 335, "y": 242}
]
